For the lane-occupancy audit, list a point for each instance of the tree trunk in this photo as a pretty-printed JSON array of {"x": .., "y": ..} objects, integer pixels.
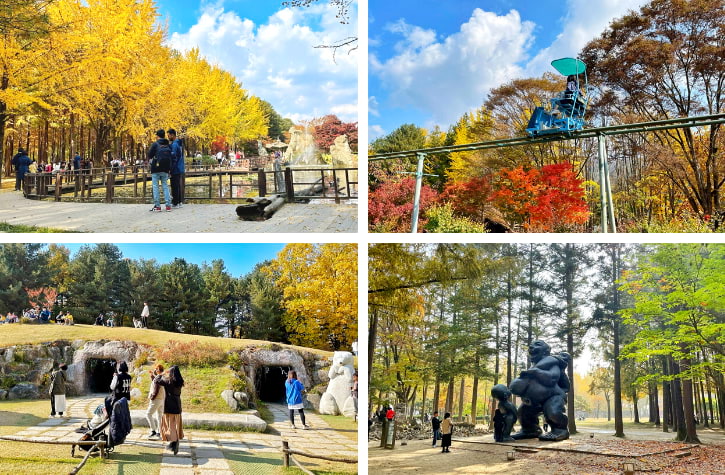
[
  {"x": 677, "y": 402},
  {"x": 436, "y": 394},
  {"x": 635, "y": 407},
  {"x": 618, "y": 419},
  {"x": 372, "y": 336},
  {"x": 609, "y": 409},
  {"x": 422, "y": 402},
  {"x": 460, "y": 397},
  {"x": 509, "y": 309},
  {"x": 688, "y": 406},
  {"x": 449, "y": 396},
  {"x": 666, "y": 398}
]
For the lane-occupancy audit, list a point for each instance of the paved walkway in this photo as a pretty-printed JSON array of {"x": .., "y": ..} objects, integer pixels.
[
  {"x": 318, "y": 216},
  {"x": 203, "y": 452}
]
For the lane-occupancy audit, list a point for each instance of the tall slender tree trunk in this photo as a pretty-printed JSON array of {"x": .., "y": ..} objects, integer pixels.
[
  {"x": 688, "y": 405},
  {"x": 449, "y": 396},
  {"x": 460, "y": 397},
  {"x": 616, "y": 271},
  {"x": 436, "y": 394},
  {"x": 635, "y": 406},
  {"x": 677, "y": 402},
  {"x": 422, "y": 402}
]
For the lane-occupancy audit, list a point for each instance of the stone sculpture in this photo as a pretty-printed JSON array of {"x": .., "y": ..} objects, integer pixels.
[
  {"x": 341, "y": 153},
  {"x": 505, "y": 417},
  {"x": 337, "y": 398},
  {"x": 543, "y": 389},
  {"x": 302, "y": 149}
]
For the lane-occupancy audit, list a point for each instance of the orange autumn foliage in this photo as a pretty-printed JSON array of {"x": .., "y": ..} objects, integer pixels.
[{"x": 542, "y": 200}]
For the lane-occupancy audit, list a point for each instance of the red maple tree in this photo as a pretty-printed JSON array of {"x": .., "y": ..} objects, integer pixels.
[
  {"x": 469, "y": 198},
  {"x": 542, "y": 200},
  {"x": 331, "y": 127},
  {"x": 390, "y": 206}
]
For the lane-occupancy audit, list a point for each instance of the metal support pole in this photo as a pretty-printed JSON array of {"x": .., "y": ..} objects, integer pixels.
[
  {"x": 602, "y": 181},
  {"x": 418, "y": 185},
  {"x": 610, "y": 200}
]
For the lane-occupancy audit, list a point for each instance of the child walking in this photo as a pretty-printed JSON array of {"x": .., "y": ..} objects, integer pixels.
[{"x": 294, "y": 398}]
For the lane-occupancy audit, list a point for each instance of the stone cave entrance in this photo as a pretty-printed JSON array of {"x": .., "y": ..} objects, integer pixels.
[
  {"x": 100, "y": 374},
  {"x": 269, "y": 382}
]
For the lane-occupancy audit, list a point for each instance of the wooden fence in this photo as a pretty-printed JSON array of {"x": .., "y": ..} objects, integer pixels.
[
  {"x": 97, "y": 445},
  {"x": 287, "y": 454},
  {"x": 217, "y": 185}
]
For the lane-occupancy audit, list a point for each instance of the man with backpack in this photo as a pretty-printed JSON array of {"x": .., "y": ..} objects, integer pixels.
[{"x": 160, "y": 156}]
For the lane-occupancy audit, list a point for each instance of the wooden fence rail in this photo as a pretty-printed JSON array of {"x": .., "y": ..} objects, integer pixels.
[
  {"x": 287, "y": 454},
  {"x": 97, "y": 445},
  {"x": 211, "y": 185}
]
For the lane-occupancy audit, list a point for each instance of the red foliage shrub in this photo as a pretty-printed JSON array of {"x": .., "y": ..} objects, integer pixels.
[
  {"x": 330, "y": 128},
  {"x": 469, "y": 198},
  {"x": 192, "y": 353},
  {"x": 545, "y": 200},
  {"x": 390, "y": 205}
]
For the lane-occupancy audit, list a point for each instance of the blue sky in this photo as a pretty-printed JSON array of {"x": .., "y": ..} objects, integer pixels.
[
  {"x": 238, "y": 258},
  {"x": 271, "y": 50},
  {"x": 432, "y": 61}
]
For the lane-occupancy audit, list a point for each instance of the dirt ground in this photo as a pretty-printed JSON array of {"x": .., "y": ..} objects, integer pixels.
[{"x": 489, "y": 458}]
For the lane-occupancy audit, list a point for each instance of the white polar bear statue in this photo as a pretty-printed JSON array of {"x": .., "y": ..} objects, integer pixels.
[{"x": 338, "y": 398}]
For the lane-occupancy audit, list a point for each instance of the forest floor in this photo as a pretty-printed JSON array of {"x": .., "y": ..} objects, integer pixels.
[
  {"x": 318, "y": 216},
  {"x": 592, "y": 451}
]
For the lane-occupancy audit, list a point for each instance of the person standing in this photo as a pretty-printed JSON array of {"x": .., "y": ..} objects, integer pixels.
[
  {"x": 172, "y": 429},
  {"x": 435, "y": 424},
  {"x": 353, "y": 392},
  {"x": 121, "y": 383},
  {"x": 57, "y": 390},
  {"x": 155, "y": 411},
  {"x": 294, "y": 390},
  {"x": 22, "y": 162},
  {"x": 177, "y": 170},
  {"x": 446, "y": 432},
  {"x": 145, "y": 315},
  {"x": 160, "y": 156},
  {"x": 77, "y": 163}
]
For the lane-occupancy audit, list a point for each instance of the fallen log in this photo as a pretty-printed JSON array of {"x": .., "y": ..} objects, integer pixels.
[{"x": 273, "y": 206}]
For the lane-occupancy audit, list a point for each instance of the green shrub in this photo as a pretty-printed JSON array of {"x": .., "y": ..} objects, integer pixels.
[
  {"x": 200, "y": 355},
  {"x": 442, "y": 220}
]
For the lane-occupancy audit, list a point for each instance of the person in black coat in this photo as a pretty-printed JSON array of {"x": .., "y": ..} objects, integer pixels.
[
  {"x": 121, "y": 383},
  {"x": 435, "y": 424},
  {"x": 172, "y": 429}
]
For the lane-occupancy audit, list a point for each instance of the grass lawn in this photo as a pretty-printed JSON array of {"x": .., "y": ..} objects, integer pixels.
[
  {"x": 345, "y": 425},
  {"x": 201, "y": 392},
  {"x": 20, "y": 334},
  {"x": 22, "y": 228}
]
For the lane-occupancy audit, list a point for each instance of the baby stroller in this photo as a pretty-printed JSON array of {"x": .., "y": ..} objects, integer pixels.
[{"x": 114, "y": 417}]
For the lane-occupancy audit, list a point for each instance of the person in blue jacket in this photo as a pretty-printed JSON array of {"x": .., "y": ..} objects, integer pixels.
[
  {"x": 21, "y": 162},
  {"x": 177, "y": 170},
  {"x": 294, "y": 398}
]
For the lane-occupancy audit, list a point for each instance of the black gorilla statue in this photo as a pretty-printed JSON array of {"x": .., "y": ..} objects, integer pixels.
[{"x": 543, "y": 389}]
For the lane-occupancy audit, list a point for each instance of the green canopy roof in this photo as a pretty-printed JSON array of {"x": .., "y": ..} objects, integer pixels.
[{"x": 569, "y": 66}]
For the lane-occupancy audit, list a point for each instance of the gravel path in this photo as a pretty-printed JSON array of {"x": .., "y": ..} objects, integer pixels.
[{"x": 318, "y": 216}]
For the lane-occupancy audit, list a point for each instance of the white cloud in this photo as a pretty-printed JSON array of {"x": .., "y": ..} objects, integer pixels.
[
  {"x": 277, "y": 60},
  {"x": 373, "y": 106},
  {"x": 586, "y": 20},
  {"x": 449, "y": 76},
  {"x": 375, "y": 132}
]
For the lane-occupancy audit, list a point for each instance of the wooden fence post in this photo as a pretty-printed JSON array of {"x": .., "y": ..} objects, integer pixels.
[
  {"x": 58, "y": 185},
  {"x": 285, "y": 449},
  {"x": 288, "y": 183},
  {"x": 262, "y": 182},
  {"x": 110, "y": 183}
]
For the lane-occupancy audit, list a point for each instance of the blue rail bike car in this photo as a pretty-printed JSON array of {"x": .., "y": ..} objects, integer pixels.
[{"x": 565, "y": 114}]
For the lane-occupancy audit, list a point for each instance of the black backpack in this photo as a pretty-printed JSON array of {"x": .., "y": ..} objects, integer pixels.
[{"x": 162, "y": 160}]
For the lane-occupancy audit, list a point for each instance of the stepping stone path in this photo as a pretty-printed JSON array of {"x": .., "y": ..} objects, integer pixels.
[{"x": 202, "y": 452}]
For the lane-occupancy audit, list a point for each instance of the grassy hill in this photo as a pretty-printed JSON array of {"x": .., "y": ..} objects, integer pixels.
[{"x": 30, "y": 334}]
